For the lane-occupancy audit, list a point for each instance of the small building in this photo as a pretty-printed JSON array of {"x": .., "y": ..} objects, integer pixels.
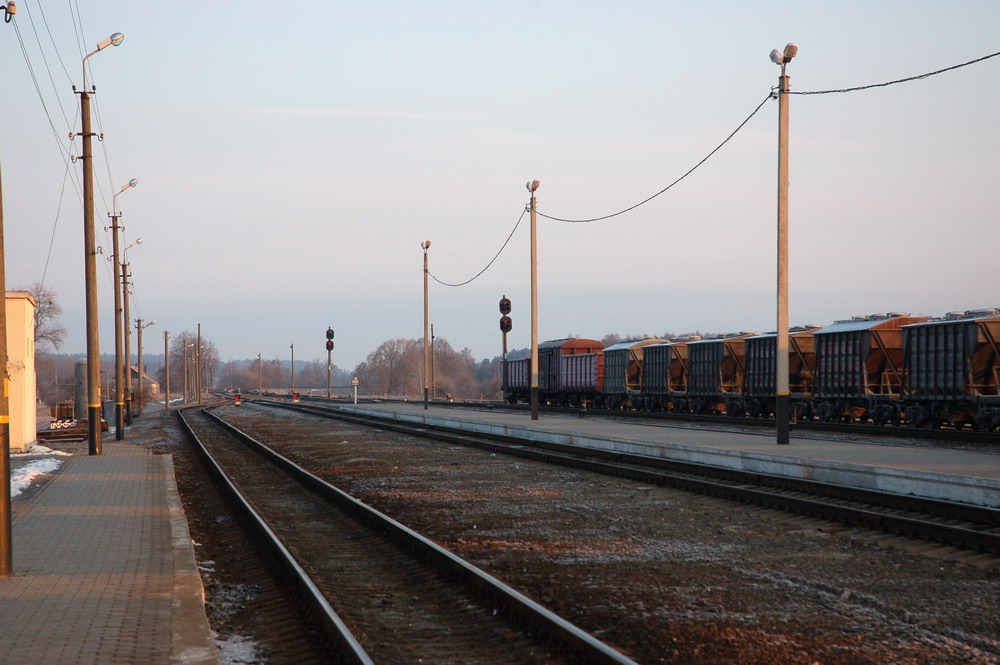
[
  {"x": 21, "y": 368},
  {"x": 149, "y": 384}
]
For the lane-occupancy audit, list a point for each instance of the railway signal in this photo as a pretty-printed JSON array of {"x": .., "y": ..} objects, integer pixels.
[
  {"x": 329, "y": 362},
  {"x": 505, "y": 325}
]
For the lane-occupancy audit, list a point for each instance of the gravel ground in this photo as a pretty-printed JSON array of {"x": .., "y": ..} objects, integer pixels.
[{"x": 665, "y": 576}]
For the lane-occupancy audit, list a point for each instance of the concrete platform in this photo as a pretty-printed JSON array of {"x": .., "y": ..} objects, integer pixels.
[
  {"x": 104, "y": 568},
  {"x": 968, "y": 477}
]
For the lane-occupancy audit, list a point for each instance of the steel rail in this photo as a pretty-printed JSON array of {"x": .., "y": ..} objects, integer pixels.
[
  {"x": 857, "y": 429},
  {"x": 344, "y": 643},
  {"x": 750, "y": 487},
  {"x": 578, "y": 642},
  {"x": 943, "y": 434}
]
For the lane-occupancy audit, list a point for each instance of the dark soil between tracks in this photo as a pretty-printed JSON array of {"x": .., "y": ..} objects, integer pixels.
[
  {"x": 665, "y": 576},
  {"x": 253, "y": 619}
]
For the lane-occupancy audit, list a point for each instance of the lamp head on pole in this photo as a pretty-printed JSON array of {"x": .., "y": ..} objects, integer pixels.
[
  {"x": 425, "y": 245},
  {"x": 114, "y": 199},
  {"x": 114, "y": 40},
  {"x": 532, "y": 186},
  {"x": 131, "y": 183},
  {"x": 782, "y": 58}
]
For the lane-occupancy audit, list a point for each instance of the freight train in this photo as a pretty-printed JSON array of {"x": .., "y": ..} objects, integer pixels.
[{"x": 884, "y": 369}]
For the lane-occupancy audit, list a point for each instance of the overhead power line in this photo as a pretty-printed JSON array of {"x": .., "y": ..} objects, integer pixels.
[
  {"x": 888, "y": 83},
  {"x": 772, "y": 95},
  {"x": 502, "y": 247},
  {"x": 689, "y": 172}
]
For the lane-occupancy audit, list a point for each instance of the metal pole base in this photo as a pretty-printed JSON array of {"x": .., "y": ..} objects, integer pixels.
[
  {"x": 119, "y": 422},
  {"x": 94, "y": 430},
  {"x": 534, "y": 403},
  {"x": 781, "y": 417}
]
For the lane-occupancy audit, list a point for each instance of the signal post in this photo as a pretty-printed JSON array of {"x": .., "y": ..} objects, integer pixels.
[
  {"x": 505, "y": 326},
  {"x": 329, "y": 362}
]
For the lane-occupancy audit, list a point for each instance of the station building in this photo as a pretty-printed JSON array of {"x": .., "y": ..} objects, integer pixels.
[{"x": 22, "y": 388}]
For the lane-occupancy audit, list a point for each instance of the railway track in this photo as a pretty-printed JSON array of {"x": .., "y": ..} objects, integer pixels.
[
  {"x": 961, "y": 525},
  {"x": 963, "y": 436},
  {"x": 931, "y": 434},
  {"x": 382, "y": 592}
]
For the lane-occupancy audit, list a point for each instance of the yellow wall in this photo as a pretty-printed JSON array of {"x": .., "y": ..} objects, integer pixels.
[{"x": 21, "y": 368}]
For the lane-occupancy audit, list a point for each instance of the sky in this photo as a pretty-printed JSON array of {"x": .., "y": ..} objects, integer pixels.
[{"x": 292, "y": 157}]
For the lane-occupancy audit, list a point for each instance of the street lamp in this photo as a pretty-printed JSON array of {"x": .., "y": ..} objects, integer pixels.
[
  {"x": 6, "y": 527},
  {"x": 782, "y": 58},
  {"x": 166, "y": 370},
  {"x": 90, "y": 267},
  {"x": 201, "y": 369},
  {"x": 186, "y": 361},
  {"x": 426, "y": 245},
  {"x": 533, "y": 187},
  {"x": 119, "y": 372},
  {"x": 128, "y": 329},
  {"x": 139, "y": 325}
]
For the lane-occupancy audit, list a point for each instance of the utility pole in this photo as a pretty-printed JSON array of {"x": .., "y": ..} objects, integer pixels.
[
  {"x": 90, "y": 261},
  {"x": 198, "y": 376},
  {"x": 115, "y": 260},
  {"x": 166, "y": 370},
  {"x": 128, "y": 342},
  {"x": 426, "y": 245},
  {"x": 781, "y": 409},
  {"x": 184, "y": 356},
  {"x": 90, "y": 277},
  {"x": 292, "y": 346},
  {"x": 6, "y": 530},
  {"x": 258, "y": 375},
  {"x": 533, "y": 187},
  {"x": 139, "y": 325},
  {"x": 119, "y": 370}
]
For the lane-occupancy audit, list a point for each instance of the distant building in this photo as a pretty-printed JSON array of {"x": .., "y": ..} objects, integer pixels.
[
  {"x": 148, "y": 383},
  {"x": 22, "y": 389}
]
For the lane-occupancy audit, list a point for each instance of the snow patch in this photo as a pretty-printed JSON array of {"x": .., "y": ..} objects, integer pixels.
[{"x": 22, "y": 477}]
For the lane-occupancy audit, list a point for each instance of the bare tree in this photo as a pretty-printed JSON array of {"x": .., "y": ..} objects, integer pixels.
[
  {"x": 209, "y": 361},
  {"x": 454, "y": 371},
  {"x": 396, "y": 368},
  {"x": 393, "y": 368},
  {"x": 49, "y": 335}
]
